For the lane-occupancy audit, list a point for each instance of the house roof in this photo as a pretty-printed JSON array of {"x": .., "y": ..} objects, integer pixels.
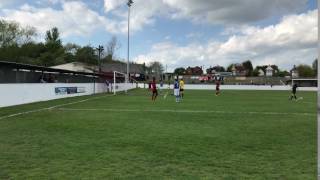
[
  {"x": 294, "y": 68},
  {"x": 239, "y": 67},
  {"x": 269, "y": 68},
  {"x": 14, "y": 65},
  {"x": 77, "y": 66}
]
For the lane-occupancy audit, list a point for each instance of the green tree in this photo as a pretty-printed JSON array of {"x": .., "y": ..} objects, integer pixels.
[
  {"x": 156, "y": 68},
  {"x": 275, "y": 68},
  {"x": 53, "y": 41},
  {"x": 255, "y": 72},
  {"x": 180, "y": 71},
  {"x": 70, "y": 52},
  {"x": 229, "y": 68},
  {"x": 55, "y": 53},
  {"x": 10, "y": 53},
  {"x": 219, "y": 68},
  {"x": 87, "y": 55},
  {"x": 71, "y": 48},
  {"x": 144, "y": 68},
  {"x": 28, "y": 53},
  {"x": 248, "y": 67},
  {"x": 9, "y": 32},
  {"x": 111, "y": 48},
  {"x": 215, "y": 68},
  {"x": 305, "y": 71},
  {"x": 282, "y": 73},
  {"x": 27, "y": 35},
  {"x": 12, "y": 33}
]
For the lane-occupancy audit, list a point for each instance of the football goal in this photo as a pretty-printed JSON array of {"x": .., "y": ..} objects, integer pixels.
[
  {"x": 305, "y": 82},
  {"x": 119, "y": 83}
]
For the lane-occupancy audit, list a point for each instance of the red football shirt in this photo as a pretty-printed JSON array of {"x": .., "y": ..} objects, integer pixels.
[{"x": 153, "y": 85}]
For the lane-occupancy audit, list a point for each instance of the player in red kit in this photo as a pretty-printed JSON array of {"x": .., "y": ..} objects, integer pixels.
[{"x": 154, "y": 89}]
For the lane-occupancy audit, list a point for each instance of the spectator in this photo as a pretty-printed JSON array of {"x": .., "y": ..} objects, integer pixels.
[
  {"x": 107, "y": 84},
  {"x": 41, "y": 79},
  {"x": 51, "y": 78},
  {"x": 161, "y": 83}
]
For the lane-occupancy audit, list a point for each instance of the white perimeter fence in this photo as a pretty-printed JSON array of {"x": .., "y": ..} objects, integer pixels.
[{"x": 15, "y": 94}]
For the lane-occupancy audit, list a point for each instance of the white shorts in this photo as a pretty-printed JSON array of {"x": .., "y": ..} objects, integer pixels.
[{"x": 176, "y": 92}]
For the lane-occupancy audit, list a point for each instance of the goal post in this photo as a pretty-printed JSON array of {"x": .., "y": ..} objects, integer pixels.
[{"x": 120, "y": 84}]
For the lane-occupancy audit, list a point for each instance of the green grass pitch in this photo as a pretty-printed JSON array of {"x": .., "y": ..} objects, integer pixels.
[{"x": 238, "y": 135}]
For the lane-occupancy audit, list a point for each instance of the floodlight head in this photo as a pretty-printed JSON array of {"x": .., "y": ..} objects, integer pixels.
[
  {"x": 130, "y": 2},
  {"x": 100, "y": 48}
]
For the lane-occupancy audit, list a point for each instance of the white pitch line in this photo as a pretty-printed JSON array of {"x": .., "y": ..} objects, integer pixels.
[
  {"x": 51, "y": 107},
  {"x": 183, "y": 111},
  {"x": 306, "y": 102}
]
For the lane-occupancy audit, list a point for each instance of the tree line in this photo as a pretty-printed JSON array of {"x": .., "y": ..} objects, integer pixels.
[
  {"x": 18, "y": 44},
  {"x": 304, "y": 70}
]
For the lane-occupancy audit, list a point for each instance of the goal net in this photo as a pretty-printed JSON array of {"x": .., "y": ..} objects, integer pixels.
[
  {"x": 305, "y": 82},
  {"x": 119, "y": 83}
]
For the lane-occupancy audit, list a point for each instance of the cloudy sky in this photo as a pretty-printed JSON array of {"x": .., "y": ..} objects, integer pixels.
[{"x": 181, "y": 33}]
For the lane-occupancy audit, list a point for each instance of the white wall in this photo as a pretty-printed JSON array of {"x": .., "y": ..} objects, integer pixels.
[
  {"x": 236, "y": 87},
  {"x": 15, "y": 94}
]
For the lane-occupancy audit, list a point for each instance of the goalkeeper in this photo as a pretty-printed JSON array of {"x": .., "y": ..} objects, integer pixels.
[{"x": 294, "y": 91}]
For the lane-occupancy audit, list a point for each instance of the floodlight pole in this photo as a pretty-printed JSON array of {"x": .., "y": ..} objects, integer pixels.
[
  {"x": 130, "y": 2},
  {"x": 100, "y": 49}
]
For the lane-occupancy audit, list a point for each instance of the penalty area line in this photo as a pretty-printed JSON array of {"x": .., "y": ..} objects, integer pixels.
[{"x": 183, "y": 111}]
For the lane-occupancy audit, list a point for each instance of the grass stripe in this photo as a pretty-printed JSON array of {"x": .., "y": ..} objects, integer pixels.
[
  {"x": 183, "y": 111},
  {"x": 52, "y": 107}
]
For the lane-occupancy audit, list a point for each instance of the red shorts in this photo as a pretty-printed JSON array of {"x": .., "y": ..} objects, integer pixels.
[{"x": 155, "y": 91}]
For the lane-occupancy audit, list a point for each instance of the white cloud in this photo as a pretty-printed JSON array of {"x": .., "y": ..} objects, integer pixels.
[
  {"x": 292, "y": 32},
  {"x": 113, "y": 4},
  {"x": 54, "y": 1},
  {"x": 199, "y": 11},
  {"x": 76, "y": 15},
  {"x": 75, "y": 18},
  {"x": 292, "y": 41},
  {"x": 232, "y": 11},
  {"x": 4, "y": 3},
  {"x": 142, "y": 13}
]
